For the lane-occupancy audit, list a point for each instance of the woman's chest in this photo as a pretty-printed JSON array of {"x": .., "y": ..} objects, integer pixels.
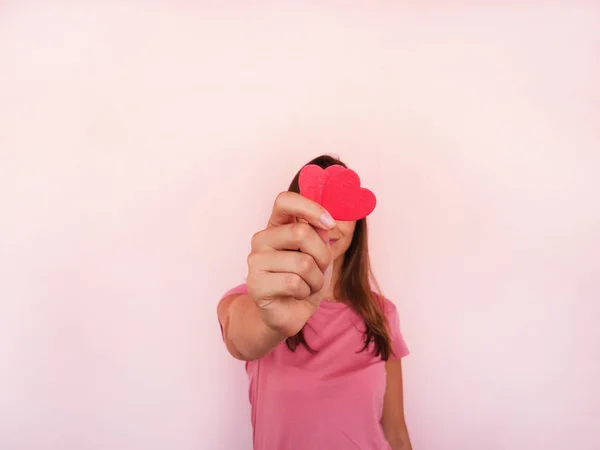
[{"x": 339, "y": 369}]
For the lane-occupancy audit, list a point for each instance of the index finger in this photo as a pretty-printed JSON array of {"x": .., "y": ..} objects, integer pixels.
[{"x": 290, "y": 205}]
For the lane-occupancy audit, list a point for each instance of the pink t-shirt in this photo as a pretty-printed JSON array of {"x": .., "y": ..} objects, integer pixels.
[{"x": 331, "y": 400}]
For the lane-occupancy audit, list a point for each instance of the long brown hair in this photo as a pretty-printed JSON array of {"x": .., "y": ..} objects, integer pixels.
[{"x": 355, "y": 284}]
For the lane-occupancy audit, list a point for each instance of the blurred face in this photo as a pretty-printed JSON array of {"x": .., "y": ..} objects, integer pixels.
[{"x": 340, "y": 237}]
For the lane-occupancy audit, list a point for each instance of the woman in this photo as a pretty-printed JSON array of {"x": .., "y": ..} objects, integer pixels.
[{"x": 322, "y": 349}]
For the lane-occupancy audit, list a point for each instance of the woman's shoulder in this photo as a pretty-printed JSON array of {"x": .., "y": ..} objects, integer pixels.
[
  {"x": 387, "y": 305},
  {"x": 391, "y": 314}
]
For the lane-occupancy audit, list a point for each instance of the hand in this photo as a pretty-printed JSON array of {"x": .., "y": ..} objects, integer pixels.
[{"x": 290, "y": 263}]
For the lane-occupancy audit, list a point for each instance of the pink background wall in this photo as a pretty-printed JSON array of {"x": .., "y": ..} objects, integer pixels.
[{"x": 141, "y": 145}]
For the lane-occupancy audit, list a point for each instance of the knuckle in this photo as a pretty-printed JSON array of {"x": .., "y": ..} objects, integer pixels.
[
  {"x": 301, "y": 232},
  {"x": 305, "y": 263},
  {"x": 251, "y": 259},
  {"x": 294, "y": 283},
  {"x": 280, "y": 200},
  {"x": 257, "y": 239}
]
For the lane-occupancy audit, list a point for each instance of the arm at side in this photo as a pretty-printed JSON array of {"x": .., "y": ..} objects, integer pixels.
[{"x": 246, "y": 336}]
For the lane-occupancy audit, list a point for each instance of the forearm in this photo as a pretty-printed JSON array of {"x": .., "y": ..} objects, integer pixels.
[{"x": 246, "y": 335}]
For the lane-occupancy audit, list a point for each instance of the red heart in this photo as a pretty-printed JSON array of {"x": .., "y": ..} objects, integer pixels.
[
  {"x": 345, "y": 199},
  {"x": 338, "y": 190},
  {"x": 313, "y": 179}
]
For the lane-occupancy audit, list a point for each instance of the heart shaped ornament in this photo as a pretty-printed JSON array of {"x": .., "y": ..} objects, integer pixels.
[{"x": 338, "y": 190}]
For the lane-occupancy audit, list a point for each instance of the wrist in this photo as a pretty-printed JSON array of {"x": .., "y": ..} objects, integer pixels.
[
  {"x": 250, "y": 335},
  {"x": 270, "y": 330}
]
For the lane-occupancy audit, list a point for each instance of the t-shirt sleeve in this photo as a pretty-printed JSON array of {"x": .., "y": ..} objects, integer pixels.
[
  {"x": 241, "y": 289},
  {"x": 399, "y": 347}
]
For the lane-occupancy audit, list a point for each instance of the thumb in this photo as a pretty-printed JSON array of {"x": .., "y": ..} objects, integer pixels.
[
  {"x": 328, "y": 275},
  {"x": 323, "y": 234}
]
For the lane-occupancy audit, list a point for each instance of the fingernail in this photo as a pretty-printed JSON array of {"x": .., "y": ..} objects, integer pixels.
[{"x": 327, "y": 220}]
